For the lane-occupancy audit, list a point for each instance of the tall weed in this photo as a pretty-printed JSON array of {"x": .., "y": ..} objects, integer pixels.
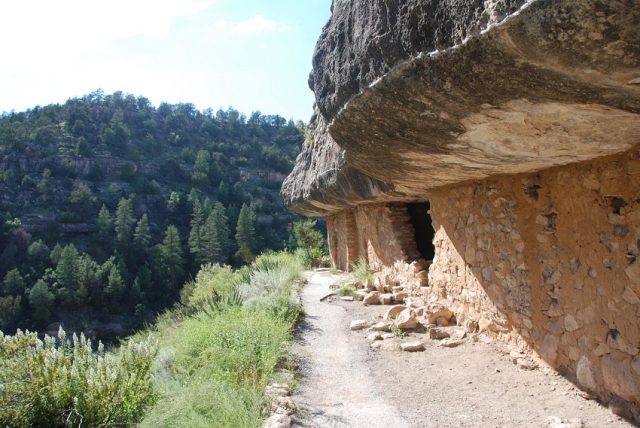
[{"x": 214, "y": 364}]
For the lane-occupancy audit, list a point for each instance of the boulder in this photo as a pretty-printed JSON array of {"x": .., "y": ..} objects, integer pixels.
[
  {"x": 393, "y": 312},
  {"x": 451, "y": 343},
  {"x": 399, "y": 297},
  {"x": 278, "y": 420},
  {"x": 360, "y": 295},
  {"x": 619, "y": 378},
  {"x": 372, "y": 298},
  {"x": 412, "y": 346},
  {"x": 381, "y": 326},
  {"x": 556, "y": 422},
  {"x": 407, "y": 319},
  {"x": 438, "y": 333},
  {"x": 386, "y": 298},
  {"x": 376, "y": 335},
  {"x": 436, "y": 311},
  {"x": 359, "y": 324},
  {"x": 283, "y": 405},
  {"x": 274, "y": 390},
  {"x": 414, "y": 302},
  {"x": 584, "y": 373}
]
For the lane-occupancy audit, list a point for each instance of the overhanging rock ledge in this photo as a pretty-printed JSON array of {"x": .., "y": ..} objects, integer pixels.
[{"x": 424, "y": 94}]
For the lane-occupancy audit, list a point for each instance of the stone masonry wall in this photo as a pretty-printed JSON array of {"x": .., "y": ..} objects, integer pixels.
[
  {"x": 546, "y": 261},
  {"x": 379, "y": 233},
  {"x": 549, "y": 260}
]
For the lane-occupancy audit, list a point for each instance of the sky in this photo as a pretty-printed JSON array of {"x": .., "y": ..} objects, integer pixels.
[{"x": 252, "y": 55}]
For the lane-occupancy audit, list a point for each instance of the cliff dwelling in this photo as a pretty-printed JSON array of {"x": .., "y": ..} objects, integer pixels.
[{"x": 487, "y": 156}]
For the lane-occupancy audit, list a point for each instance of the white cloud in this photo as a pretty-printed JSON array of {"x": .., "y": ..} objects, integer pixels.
[
  {"x": 59, "y": 23},
  {"x": 257, "y": 24},
  {"x": 52, "y": 46}
]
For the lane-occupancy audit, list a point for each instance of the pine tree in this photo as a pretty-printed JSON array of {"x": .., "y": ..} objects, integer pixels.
[
  {"x": 136, "y": 296},
  {"x": 81, "y": 200},
  {"x": 38, "y": 253},
  {"x": 222, "y": 225},
  {"x": 246, "y": 234},
  {"x": 307, "y": 236},
  {"x": 67, "y": 273},
  {"x": 211, "y": 248},
  {"x": 195, "y": 235},
  {"x": 13, "y": 283},
  {"x": 142, "y": 235},
  {"x": 115, "y": 285},
  {"x": 215, "y": 236},
  {"x": 171, "y": 256},
  {"x": 223, "y": 192},
  {"x": 41, "y": 299},
  {"x": 201, "y": 168},
  {"x": 87, "y": 270},
  {"x": 207, "y": 207},
  {"x": 123, "y": 220},
  {"x": 142, "y": 284},
  {"x": 105, "y": 228},
  {"x": 55, "y": 254},
  {"x": 10, "y": 308}
]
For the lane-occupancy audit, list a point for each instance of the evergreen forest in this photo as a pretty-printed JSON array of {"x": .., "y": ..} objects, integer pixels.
[{"x": 108, "y": 205}]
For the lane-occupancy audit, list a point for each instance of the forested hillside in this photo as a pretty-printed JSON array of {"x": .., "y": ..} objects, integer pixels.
[{"x": 108, "y": 204}]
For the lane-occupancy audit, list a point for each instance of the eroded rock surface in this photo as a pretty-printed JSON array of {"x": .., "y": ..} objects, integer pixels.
[{"x": 416, "y": 95}]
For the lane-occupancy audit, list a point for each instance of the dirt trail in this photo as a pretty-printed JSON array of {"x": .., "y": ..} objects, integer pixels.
[
  {"x": 345, "y": 383},
  {"x": 336, "y": 390}
]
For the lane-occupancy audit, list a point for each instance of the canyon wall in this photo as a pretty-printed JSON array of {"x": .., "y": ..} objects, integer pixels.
[{"x": 512, "y": 127}]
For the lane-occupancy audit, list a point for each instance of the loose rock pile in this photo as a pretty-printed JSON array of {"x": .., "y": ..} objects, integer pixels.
[
  {"x": 406, "y": 314},
  {"x": 282, "y": 405}
]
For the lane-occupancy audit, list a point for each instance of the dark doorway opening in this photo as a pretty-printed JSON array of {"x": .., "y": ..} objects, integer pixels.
[{"x": 424, "y": 233}]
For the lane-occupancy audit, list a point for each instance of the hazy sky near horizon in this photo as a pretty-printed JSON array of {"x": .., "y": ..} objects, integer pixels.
[{"x": 248, "y": 54}]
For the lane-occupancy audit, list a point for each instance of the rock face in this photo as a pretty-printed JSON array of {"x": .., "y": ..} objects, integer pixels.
[
  {"x": 484, "y": 157},
  {"x": 418, "y": 94}
]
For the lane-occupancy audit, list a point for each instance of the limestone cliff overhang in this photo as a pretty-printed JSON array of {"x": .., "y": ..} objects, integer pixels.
[{"x": 551, "y": 83}]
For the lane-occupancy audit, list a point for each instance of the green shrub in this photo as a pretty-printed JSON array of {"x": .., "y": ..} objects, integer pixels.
[
  {"x": 268, "y": 285},
  {"x": 314, "y": 257},
  {"x": 346, "y": 290},
  {"x": 215, "y": 368},
  {"x": 214, "y": 362},
  {"x": 361, "y": 271},
  {"x": 213, "y": 280},
  {"x": 207, "y": 404},
  {"x": 43, "y": 383}
]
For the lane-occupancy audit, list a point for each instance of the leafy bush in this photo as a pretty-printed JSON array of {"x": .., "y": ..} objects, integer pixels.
[{"x": 45, "y": 383}]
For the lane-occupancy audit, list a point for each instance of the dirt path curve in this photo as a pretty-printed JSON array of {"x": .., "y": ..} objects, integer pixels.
[
  {"x": 346, "y": 383},
  {"x": 336, "y": 389}
]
